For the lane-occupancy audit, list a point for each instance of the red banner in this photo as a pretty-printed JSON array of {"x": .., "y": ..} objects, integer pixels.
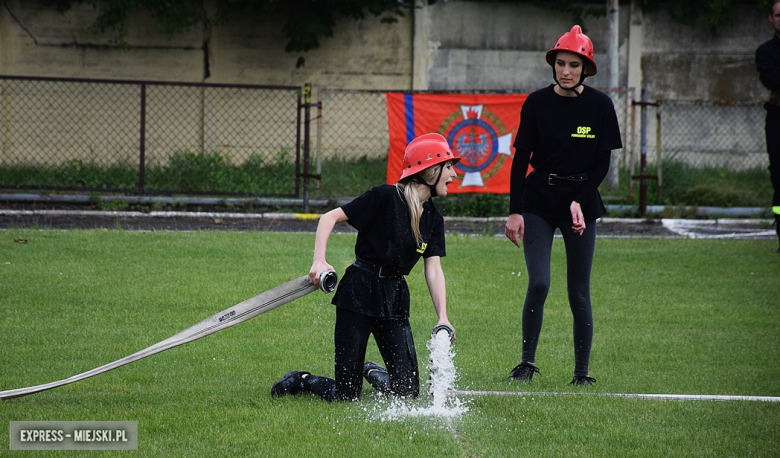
[{"x": 480, "y": 129}]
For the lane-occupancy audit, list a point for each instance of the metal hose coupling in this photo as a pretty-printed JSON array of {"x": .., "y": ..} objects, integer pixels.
[
  {"x": 328, "y": 281},
  {"x": 443, "y": 327}
]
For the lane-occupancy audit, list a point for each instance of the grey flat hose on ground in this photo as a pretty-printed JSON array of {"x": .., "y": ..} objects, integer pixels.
[{"x": 232, "y": 316}]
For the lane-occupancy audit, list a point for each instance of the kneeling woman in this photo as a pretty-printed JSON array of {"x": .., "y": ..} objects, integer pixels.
[{"x": 396, "y": 226}]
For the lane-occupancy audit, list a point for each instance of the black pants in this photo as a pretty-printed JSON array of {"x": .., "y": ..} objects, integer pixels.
[
  {"x": 772, "y": 129},
  {"x": 396, "y": 345},
  {"x": 537, "y": 246}
]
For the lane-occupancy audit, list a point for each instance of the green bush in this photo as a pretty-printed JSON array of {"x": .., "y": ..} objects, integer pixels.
[
  {"x": 476, "y": 205},
  {"x": 72, "y": 174},
  {"x": 214, "y": 172},
  {"x": 203, "y": 173},
  {"x": 685, "y": 185},
  {"x": 718, "y": 187},
  {"x": 341, "y": 178}
]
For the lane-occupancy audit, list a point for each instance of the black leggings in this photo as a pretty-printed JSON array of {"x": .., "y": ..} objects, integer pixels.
[
  {"x": 396, "y": 345},
  {"x": 772, "y": 129},
  {"x": 537, "y": 246}
]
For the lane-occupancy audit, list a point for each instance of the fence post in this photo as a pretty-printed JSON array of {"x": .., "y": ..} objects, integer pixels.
[
  {"x": 306, "y": 174},
  {"x": 3, "y": 124},
  {"x": 306, "y": 145},
  {"x": 142, "y": 143},
  {"x": 643, "y": 176},
  {"x": 319, "y": 142},
  {"x": 632, "y": 159},
  {"x": 658, "y": 159},
  {"x": 643, "y": 156},
  {"x": 613, "y": 51}
]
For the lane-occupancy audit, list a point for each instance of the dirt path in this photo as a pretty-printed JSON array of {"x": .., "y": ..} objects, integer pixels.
[
  {"x": 279, "y": 222},
  {"x": 64, "y": 216}
]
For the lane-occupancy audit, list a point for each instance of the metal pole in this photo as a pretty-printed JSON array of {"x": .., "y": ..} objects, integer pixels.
[
  {"x": 658, "y": 158},
  {"x": 319, "y": 143},
  {"x": 306, "y": 146},
  {"x": 298, "y": 147},
  {"x": 632, "y": 160},
  {"x": 613, "y": 47},
  {"x": 3, "y": 125},
  {"x": 613, "y": 44},
  {"x": 142, "y": 145},
  {"x": 643, "y": 157},
  {"x": 202, "y": 93}
]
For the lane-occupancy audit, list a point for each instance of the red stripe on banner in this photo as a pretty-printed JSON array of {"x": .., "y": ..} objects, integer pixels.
[{"x": 480, "y": 129}]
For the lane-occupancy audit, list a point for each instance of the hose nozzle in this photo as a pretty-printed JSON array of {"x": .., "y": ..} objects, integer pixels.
[
  {"x": 443, "y": 327},
  {"x": 328, "y": 281}
]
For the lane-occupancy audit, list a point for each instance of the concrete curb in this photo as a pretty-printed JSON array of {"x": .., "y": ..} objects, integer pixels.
[
  {"x": 757, "y": 222},
  {"x": 86, "y": 199}
]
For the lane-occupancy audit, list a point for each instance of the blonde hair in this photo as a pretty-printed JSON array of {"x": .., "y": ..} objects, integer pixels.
[{"x": 409, "y": 191}]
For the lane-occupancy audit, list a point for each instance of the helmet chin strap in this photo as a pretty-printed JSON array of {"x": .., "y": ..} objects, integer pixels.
[
  {"x": 434, "y": 193},
  {"x": 573, "y": 88}
]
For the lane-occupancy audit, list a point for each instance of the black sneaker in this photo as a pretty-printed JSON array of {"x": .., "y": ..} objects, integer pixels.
[
  {"x": 291, "y": 384},
  {"x": 583, "y": 380},
  {"x": 524, "y": 372},
  {"x": 376, "y": 376}
]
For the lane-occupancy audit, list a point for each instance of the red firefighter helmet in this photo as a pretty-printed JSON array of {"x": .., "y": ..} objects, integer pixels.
[
  {"x": 426, "y": 151},
  {"x": 577, "y": 42}
]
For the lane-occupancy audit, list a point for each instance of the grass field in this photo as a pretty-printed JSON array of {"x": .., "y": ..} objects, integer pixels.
[{"x": 672, "y": 316}]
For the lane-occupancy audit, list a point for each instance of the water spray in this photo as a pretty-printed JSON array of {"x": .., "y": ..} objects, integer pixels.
[{"x": 441, "y": 383}]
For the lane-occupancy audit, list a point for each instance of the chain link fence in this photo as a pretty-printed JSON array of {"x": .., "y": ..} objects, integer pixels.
[
  {"x": 704, "y": 153},
  {"x": 149, "y": 137},
  {"x": 354, "y": 125},
  {"x": 154, "y": 137},
  {"x": 706, "y": 134}
]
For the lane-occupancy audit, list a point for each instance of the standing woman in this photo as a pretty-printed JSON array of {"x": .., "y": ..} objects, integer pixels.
[
  {"x": 768, "y": 65},
  {"x": 396, "y": 226},
  {"x": 571, "y": 130}
]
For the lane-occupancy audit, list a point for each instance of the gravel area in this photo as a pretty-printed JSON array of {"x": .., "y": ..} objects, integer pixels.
[
  {"x": 77, "y": 217},
  {"x": 279, "y": 222}
]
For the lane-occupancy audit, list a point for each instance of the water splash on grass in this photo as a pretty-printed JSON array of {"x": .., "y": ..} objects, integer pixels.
[{"x": 442, "y": 381}]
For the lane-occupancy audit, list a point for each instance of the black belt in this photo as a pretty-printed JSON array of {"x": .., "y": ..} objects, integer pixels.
[
  {"x": 553, "y": 179},
  {"x": 380, "y": 271}
]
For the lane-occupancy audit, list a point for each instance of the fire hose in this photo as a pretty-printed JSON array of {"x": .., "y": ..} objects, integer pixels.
[{"x": 232, "y": 316}]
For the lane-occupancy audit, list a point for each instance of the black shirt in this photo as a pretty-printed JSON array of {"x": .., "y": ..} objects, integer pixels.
[
  {"x": 768, "y": 66},
  {"x": 567, "y": 135},
  {"x": 385, "y": 238}
]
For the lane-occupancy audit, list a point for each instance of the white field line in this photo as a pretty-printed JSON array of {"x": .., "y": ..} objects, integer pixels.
[{"x": 668, "y": 397}]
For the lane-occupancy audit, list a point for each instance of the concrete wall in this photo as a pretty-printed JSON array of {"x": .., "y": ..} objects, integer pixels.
[
  {"x": 453, "y": 45},
  {"x": 681, "y": 63},
  {"x": 446, "y": 46},
  {"x": 36, "y": 41},
  {"x": 502, "y": 46},
  {"x": 361, "y": 54}
]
